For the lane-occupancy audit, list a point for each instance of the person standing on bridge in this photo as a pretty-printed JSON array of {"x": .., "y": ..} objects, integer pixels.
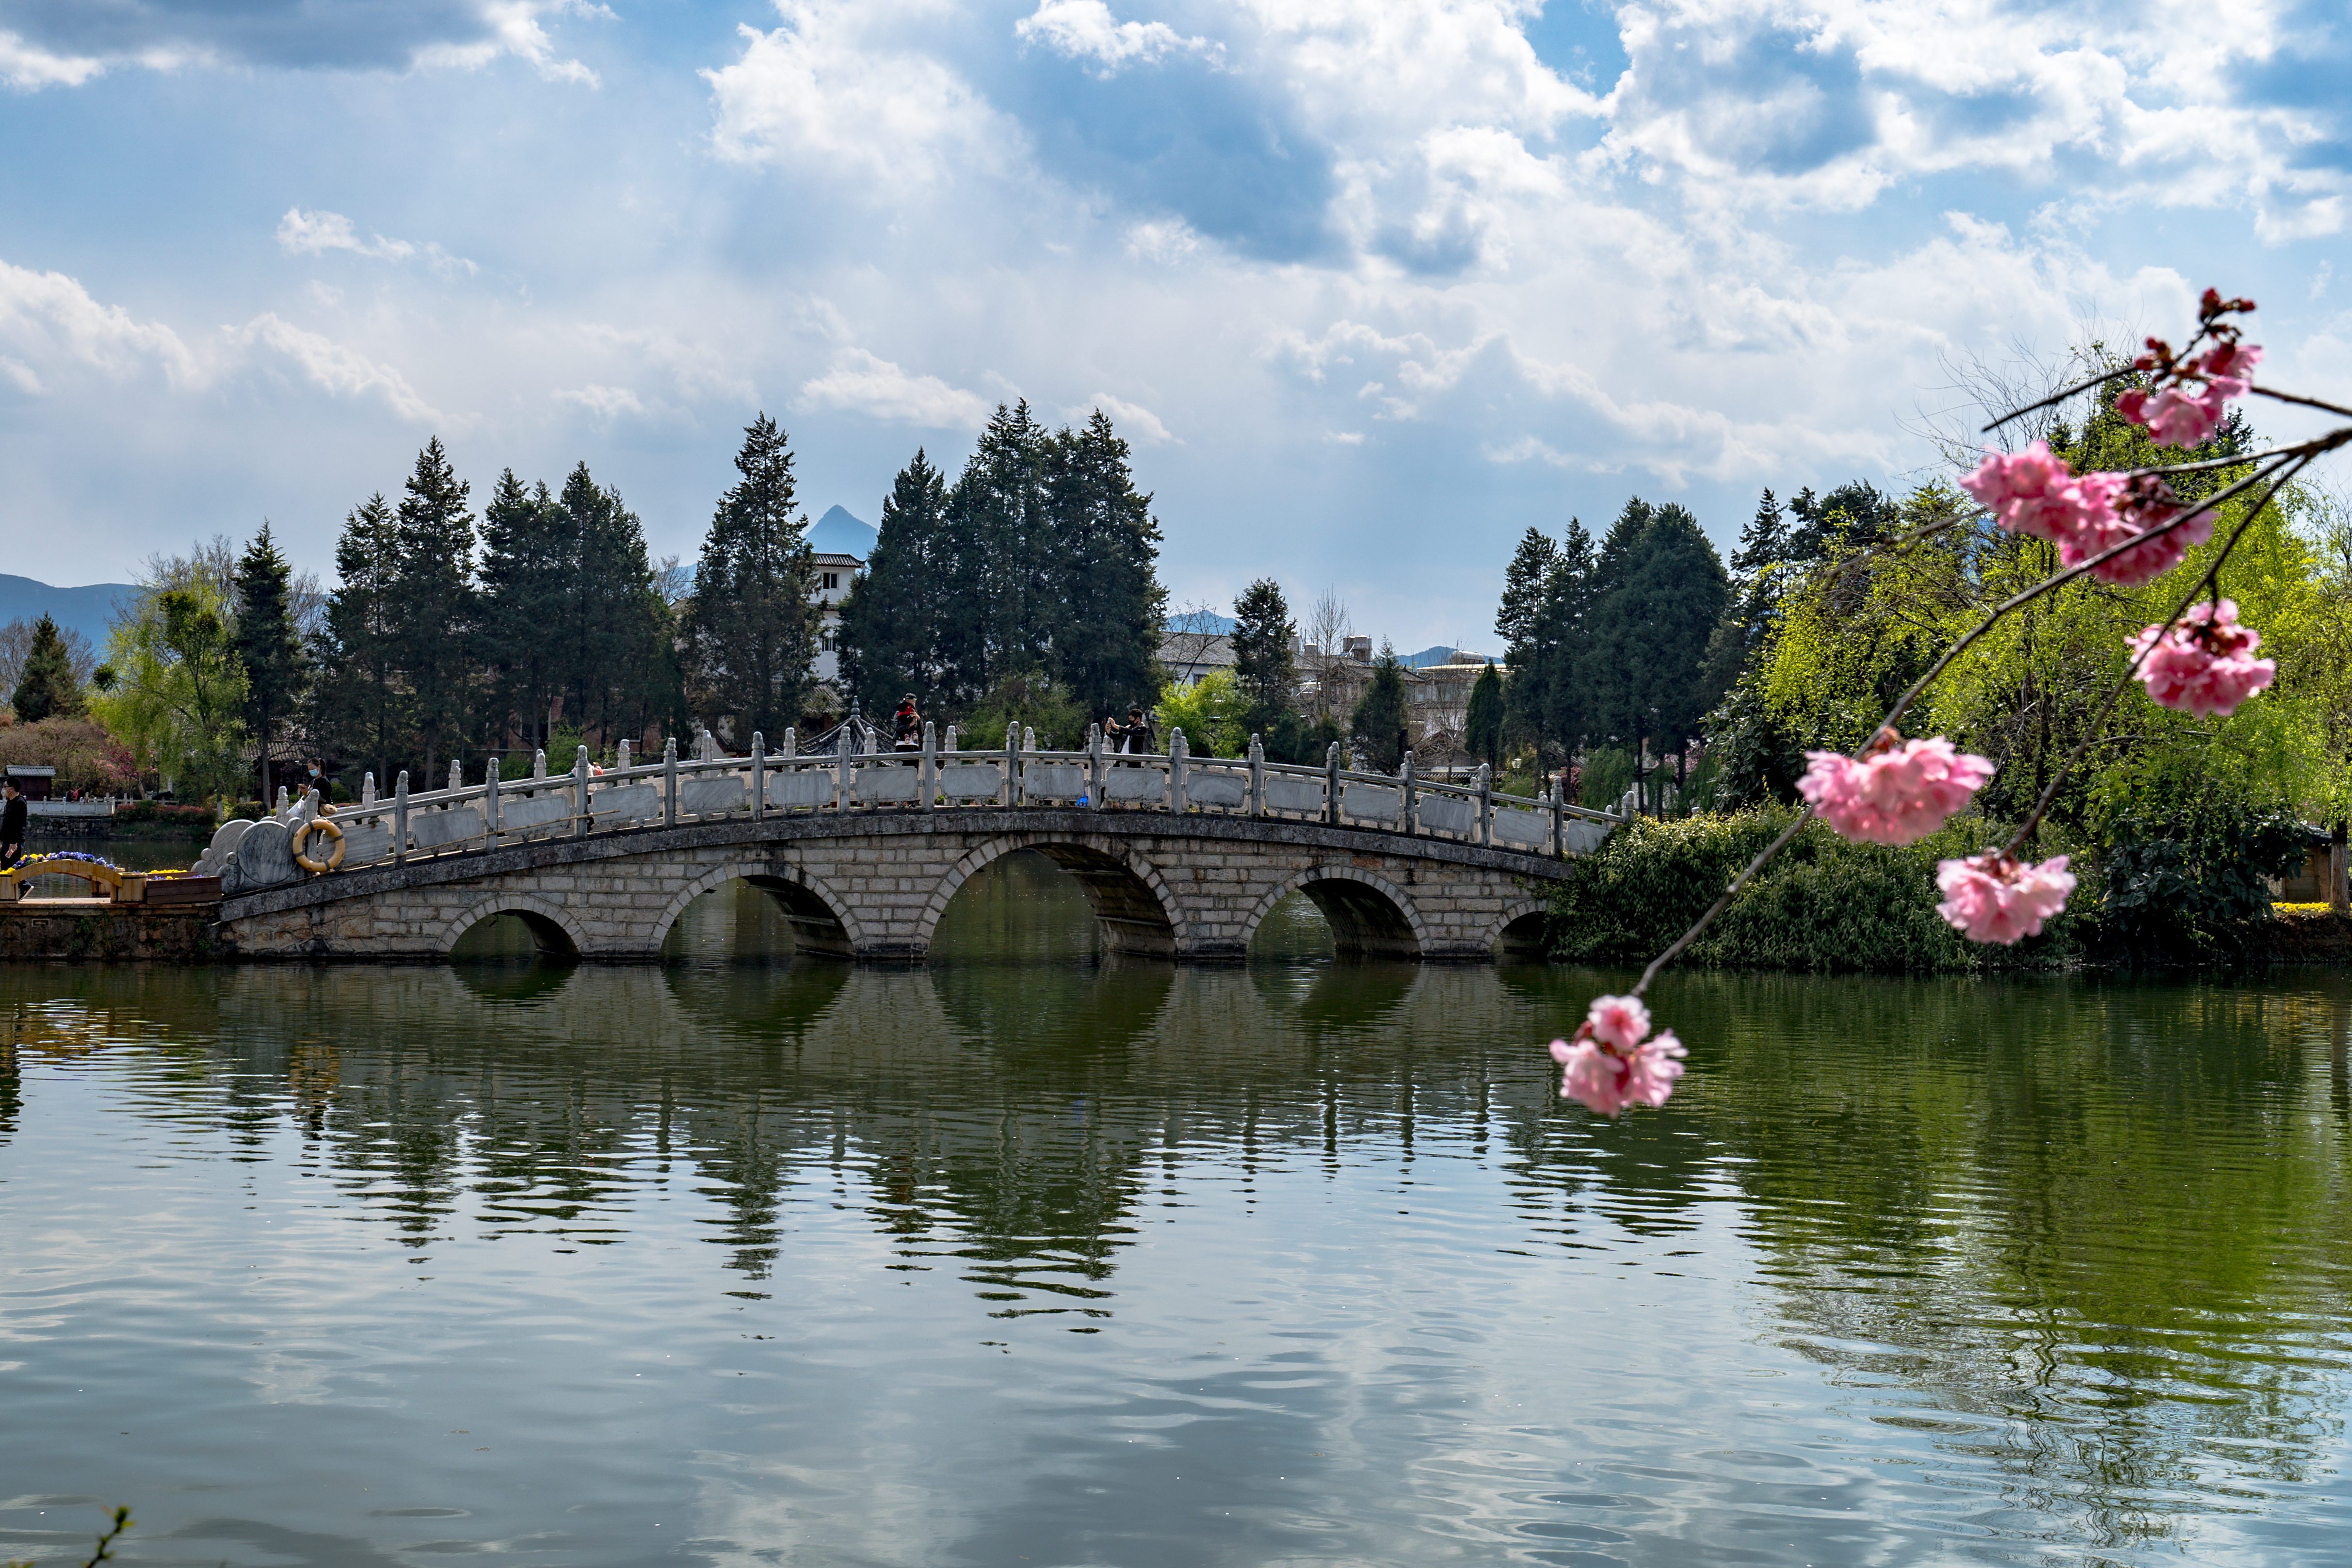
[
  {"x": 908, "y": 726},
  {"x": 1133, "y": 738},
  {"x": 13, "y": 817}
]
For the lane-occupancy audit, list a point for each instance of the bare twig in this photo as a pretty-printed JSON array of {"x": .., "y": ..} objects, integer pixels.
[
  {"x": 2306, "y": 402},
  {"x": 2055, "y": 397}
]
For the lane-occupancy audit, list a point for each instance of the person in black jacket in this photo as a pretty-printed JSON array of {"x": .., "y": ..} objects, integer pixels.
[{"x": 12, "y": 827}]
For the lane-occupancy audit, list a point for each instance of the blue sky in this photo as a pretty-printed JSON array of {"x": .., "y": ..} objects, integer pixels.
[{"x": 1372, "y": 285}]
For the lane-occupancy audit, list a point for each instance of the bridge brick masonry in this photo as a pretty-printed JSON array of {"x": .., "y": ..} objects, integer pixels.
[{"x": 1191, "y": 879}]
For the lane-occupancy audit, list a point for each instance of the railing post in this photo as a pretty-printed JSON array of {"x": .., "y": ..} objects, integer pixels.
[
  {"x": 579, "y": 793},
  {"x": 1176, "y": 754},
  {"x": 457, "y": 775},
  {"x": 490, "y": 801},
  {"x": 1332, "y": 785},
  {"x": 622, "y": 765},
  {"x": 669, "y": 781},
  {"x": 400, "y": 820},
  {"x": 950, "y": 744},
  {"x": 1559, "y": 818},
  {"x": 1485, "y": 804},
  {"x": 1404, "y": 810},
  {"x": 367, "y": 788},
  {"x": 792, "y": 740},
  {"x": 927, "y": 780},
  {"x": 1012, "y": 766},
  {"x": 539, "y": 762},
  {"x": 1257, "y": 776},
  {"x": 759, "y": 776}
]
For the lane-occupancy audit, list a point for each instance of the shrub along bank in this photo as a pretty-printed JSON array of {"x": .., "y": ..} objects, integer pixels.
[{"x": 1822, "y": 904}]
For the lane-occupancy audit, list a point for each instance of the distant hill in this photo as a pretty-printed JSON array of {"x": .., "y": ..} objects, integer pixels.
[
  {"x": 1429, "y": 656},
  {"x": 1207, "y": 623},
  {"x": 89, "y": 610},
  {"x": 839, "y": 533}
]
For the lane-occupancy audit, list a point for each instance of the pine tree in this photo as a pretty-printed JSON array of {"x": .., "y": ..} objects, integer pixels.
[
  {"x": 1660, "y": 589},
  {"x": 358, "y": 702},
  {"x": 1482, "y": 730},
  {"x": 1378, "y": 723},
  {"x": 434, "y": 605},
  {"x": 48, "y": 689},
  {"x": 1103, "y": 606},
  {"x": 268, "y": 645},
  {"x": 1002, "y": 582},
  {"x": 607, "y": 629},
  {"x": 1263, "y": 633},
  {"x": 1763, "y": 546},
  {"x": 526, "y": 571},
  {"x": 889, "y": 623},
  {"x": 751, "y": 632}
]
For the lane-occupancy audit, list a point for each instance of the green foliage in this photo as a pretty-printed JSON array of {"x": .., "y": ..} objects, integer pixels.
[
  {"x": 1822, "y": 904},
  {"x": 360, "y": 707},
  {"x": 1659, "y": 590},
  {"x": 1263, "y": 631},
  {"x": 48, "y": 688},
  {"x": 1214, "y": 712},
  {"x": 1608, "y": 772},
  {"x": 751, "y": 631},
  {"x": 178, "y": 699},
  {"x": 2186, "y": 855},
  {"x": 1040, "y": 561},
  {"x": 1547, "y": 595},
  {"x": 1034, "y": 701},
  {"x": 268, "y": 648},
  {"x": 1482, "y": 730},
  {"x": 1378, "y": 724},
  {"x": 434, "y": 607}
]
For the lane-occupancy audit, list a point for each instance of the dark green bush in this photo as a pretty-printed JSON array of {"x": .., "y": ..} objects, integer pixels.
[{"x": 1822, "y": 904}]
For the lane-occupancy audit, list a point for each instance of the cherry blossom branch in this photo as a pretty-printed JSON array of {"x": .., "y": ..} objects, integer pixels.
[
  {"x": 2278, "y": 466},
  {"x": 2140, "y": 657},
  {"x": 2056, "y": 397},
  {"x": 2306, "y": 402}
]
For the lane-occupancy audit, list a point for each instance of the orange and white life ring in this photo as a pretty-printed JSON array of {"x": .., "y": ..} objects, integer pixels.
[{"x": 302, "y": 837}]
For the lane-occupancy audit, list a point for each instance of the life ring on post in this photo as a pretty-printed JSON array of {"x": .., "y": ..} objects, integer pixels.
[{"x": 334, "y": 834}]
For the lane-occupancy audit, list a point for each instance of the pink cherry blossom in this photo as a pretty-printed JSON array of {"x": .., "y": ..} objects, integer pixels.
[
  {"x": 1619, "y": 1022},
  {"x": 1993, "y": 897},
  {"x": 2136, "y": 506},
  {"x": 2189, "y": 409},
  {"x": 2205, "y": 664},
  {"x": 1898, "y": 795},
  {"x": 1611, "y": 1065},
  {"x": 2033, "y": 492}
]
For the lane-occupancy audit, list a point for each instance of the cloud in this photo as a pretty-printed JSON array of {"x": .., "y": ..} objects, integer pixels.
[
  {"x": 48, "y": 319},
  {"x": 1084, "y": 30},
  {"x": 331, "y": 366},
  {"x": 834, "y": 92},
  {"x": 315, "y": 234},
  {"x": 606, "y": 403},
  {"x": 859, "y": 383},
  {"x": 45, "y": 44},
  {"x": 1138, "y": 423}
]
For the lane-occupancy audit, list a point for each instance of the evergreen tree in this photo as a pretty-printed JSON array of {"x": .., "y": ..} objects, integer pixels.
[
  {"x": 1482, "y": 730},
  {"x": 1763, "y": 547},
  {"x": 751, "y": 632},
  {"x": 1546, "y": 591},
  {"x": 1103, "y": 608},
  {"x": 1378, "y": 723},
  {"x": 1263, "y": 665},
  {"x": 434, "y": 605},
  {"x": 890, "y": 622},
  {"x": 48, "y": 689},
  {"x": 607, "y": 631},
  {"x": 268, "y": 645},
  {"x": 1659, "y": 590},
  {"x": 359, "y": 701},
  {"x": 526, "y": 571}
]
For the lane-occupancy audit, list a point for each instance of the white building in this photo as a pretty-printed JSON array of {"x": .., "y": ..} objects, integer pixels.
[{"x": 834, "y": 575}]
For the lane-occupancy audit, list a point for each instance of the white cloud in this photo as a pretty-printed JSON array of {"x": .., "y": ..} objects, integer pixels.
[
  {"x": 48, "y": 319},
  {"x": 27, "y": 66},
  {"x": 859, "y": 383},
  {"x": 1084, "y": 29},
  {"x": 606, "y": 403},
  {"x": 834, "y": 92},
  {"x": 1165, "y": 241},
  {"x": 331, "y": 366},
  {"x": 514, "y": 29},
  {"x": 1138, "y": 423},
  {"x": 316, "y": 233}
]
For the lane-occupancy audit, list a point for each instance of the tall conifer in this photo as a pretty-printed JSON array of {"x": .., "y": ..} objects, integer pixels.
[
  {"x": 751, "y": 632},
  {"x": 1103, "y": 609},
  {"x": 890, "y": 622},
  {"x": 525, "y": 576},
  {"x": 268, "y": 645},
  {"x": 48, "y": 689},
  {"x": 358, "y": 702},
  {"x": 434, "y": 605}
]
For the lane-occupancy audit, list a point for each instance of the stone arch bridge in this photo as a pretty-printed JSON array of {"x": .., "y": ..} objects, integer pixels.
[
  {"x": 874, "y": 887},
  {"x": 1182, "y": 857}
]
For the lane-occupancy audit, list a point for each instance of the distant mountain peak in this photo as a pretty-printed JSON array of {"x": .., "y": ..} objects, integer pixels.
[{"x": 841, "y": 531}]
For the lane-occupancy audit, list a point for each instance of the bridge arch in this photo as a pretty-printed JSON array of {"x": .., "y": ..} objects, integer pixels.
[
  {"x": 1131, "y": 900},
  {"x": 1370, "y": 916},
  {"x": 1520, "y": 931},
  {"x": 556, "y": 933},
  {"x": 823, "y": 924}
]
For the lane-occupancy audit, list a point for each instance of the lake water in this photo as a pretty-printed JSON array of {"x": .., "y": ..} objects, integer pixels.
[{"x": 1025, "y": 1256}]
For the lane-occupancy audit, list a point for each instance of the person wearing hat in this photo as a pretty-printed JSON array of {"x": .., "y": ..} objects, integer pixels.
[{"x": 908, "y": 735}]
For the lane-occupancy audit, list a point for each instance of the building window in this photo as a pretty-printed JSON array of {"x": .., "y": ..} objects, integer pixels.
[{"x": 832, "y": 580}]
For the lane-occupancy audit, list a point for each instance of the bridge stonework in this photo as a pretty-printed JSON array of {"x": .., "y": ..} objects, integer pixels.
[{"x": 874, "y": 885}]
